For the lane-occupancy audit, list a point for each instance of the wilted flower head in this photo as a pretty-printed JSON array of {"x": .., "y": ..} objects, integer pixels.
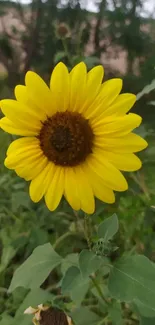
[{"x": 45, "y": 315}]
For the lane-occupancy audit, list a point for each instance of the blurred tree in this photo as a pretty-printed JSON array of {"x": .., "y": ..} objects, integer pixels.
[
  {"x": 126, "y": 28},
  {"x": 34, "y": 43},
  {"x": 28, "y": 38}
]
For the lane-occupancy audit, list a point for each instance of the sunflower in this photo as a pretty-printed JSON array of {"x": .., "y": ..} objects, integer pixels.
[{"x": 77, "y": 137}]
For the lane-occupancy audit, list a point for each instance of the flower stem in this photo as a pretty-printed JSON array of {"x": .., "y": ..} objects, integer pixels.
[
  {"x": 63, "y": 237},
  {"x": 67, "y": 51},
  {"x": 99, "y": 290},
  {"x": 87, "y": 230}
]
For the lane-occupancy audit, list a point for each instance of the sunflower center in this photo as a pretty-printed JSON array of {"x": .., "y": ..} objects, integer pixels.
[{"x": 66, "y": 138}]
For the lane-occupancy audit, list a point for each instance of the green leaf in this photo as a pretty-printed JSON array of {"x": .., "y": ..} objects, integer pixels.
[
  {"x": 89, "y": 262},
  {"x": 84, "y": 316},
  {"x": 19, "y": 199},
  {"x": 6, "y": 320},
  {"x": 132, "y": 279},
  {"x": 152, "y": 103},
  {"x": 91, "y": 61},
  {"x": 68, "y": 261},
  {"x": 33, "y": 272},
  {"x": 146, "y": 90},
  {"x": 75, "y": 285},
  {"x": 147, "y": 321},
  {"x": 59, "y": 56},
  {"x": 115, "y": 313},
  {"x": 7, "y": 255},
  {"x": 144, "y": 310},
  {"x": 33, "y": 298},
  {"x": 108, "y": 228}
]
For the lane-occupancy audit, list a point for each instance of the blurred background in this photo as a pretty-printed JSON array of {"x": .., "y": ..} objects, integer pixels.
[{"x": 35, "y": 35}]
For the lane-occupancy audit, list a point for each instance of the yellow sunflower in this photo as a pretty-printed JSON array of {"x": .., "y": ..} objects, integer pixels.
[{"x": 76, "y": 139}]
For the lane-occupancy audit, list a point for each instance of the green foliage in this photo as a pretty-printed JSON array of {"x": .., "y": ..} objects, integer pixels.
[
  {"x": 147, "y": 321},
  {"x": 44, "y": 256},
  {"x": 33, "y": 298},
  {"x": 89, "y": 263},
  {"x": 83, "y": 315},
  {"x": 146, "y": 90},
  {"x": 108, "y": 228},
  {"x": 32, "y": 273},
  {"x": 132, "y": 280},
  {"x": 115, "y": 313},
  {"x": 75, "y": 285}
]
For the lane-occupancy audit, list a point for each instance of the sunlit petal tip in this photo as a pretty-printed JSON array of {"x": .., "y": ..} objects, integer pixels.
[
  {"x": 97, "y": 71},
  {"x": 16, "y": 90},
  {"x": 138, "y": 166},
  {"x": 7, "y": 163},
  {"x": 30, "y": 75},
  {"x": 120, "y": 81},
  {"x": 80, "y": 66},
  {"x": 4, "y": 102},
  {"x": 1, "y": 122},
  {"x": 117, "y": 83},
  {"x": 145, "y": 144},
  {"x": 19, "y": 91},
  {"x": 134, "y": 97},
  {"x": 126, "y": 186},
  {"x": 90, "y": 210},
  {"x": 61, "y": 65},
  {"x": 137, "y": 119},
  {"x": 99, "y": 68},
  {"x": 33, "y": 198},
  {"x": 112, "y": 199}
]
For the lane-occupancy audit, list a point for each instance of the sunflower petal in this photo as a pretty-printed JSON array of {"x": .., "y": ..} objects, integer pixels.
[
  {"x": 110, "y": 175},
  {"x": 70, "y": 183},
  {"x": 24, "y": 144},
  {"x": 93, "y": 86},
  {"x": 126, "y": 162},
  {"x": 85, "y": 191},
  {"x": 10, "y": 127},
  {"x": 56, "y": 189},
  {"x": 117, "y": 127},
  {"x": 122, "y": 104},
  {"x": 100, "y": 191},
  {"x": 127, "y": 144},
  {"x": 39, "y": 92},
  {"x": 20, "y": 114},
  {"x": 19, "y": 157},
  {"x": 38, "y": 185},
  {"x": 78, "y": 77},
  {"x": 60, "y": 88},
  {"x": 108, "y": 93},
  {"x": 21, "y": 94},
  {"x": 31, "y": 168}
]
